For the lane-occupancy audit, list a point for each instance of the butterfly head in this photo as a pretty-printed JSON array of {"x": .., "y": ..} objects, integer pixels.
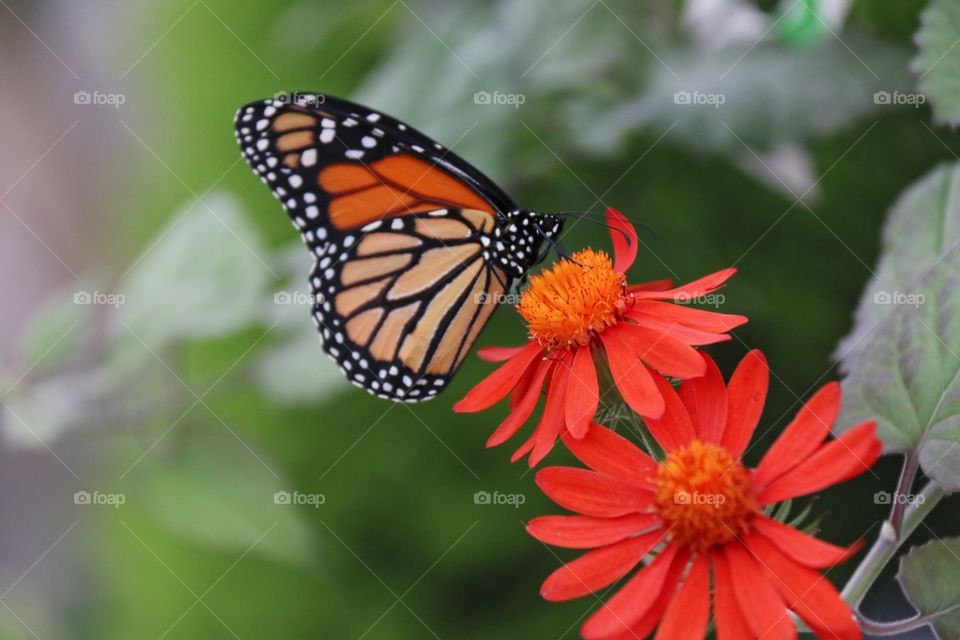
[{"x": 523, "y": 239}]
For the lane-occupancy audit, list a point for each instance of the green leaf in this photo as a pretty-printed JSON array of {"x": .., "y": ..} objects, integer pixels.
[
  {"x": 938, "y": 59},
  {"x": 222, "y": 495},
  {"x": 204, "y": 277},
  {"x": 57, "y": 331},
  {"x": 901, "y": 360},
  {"x": 928, "y": 575}
]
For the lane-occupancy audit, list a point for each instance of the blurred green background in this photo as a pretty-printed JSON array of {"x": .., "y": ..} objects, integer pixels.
[{"x": 197, "y": 392}]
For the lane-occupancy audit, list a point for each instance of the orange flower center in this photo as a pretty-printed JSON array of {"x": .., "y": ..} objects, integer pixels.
[
  {"x": 565, "y": 304},
  {"x": 704, "y": 496}
]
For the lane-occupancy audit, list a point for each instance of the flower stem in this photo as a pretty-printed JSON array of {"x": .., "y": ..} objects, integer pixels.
[
  {"x": 610, "y": 396},
  {"x": 875, "y": 628},
  {"x": 900, "y": 497},
  {"x": 887, "y": 544}
]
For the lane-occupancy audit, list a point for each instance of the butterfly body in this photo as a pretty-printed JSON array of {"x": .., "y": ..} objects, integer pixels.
[{"x": 413, "y": 247}]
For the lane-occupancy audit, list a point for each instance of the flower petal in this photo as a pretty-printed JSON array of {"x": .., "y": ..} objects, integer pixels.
[
  {"x": 768, "y": 616},
  {"x": 712, "y": 321},
  {"x": 686, "y": 617},
  {"x": 583, "y": 393},
  {"x": 801, "y": 548},
  {"x": 687, "y": 335},
  {"x": 653, "y": 285},
  {"x": 498, "y": 354},
  {"x": 632, "y": 378},
  {"x": 695, "y": 289},
  {"x": 746, "y": 395},
  {"x": 551, "y": 421},
  {"x": 608, "y": 452},
  {"x": 525, "y": 405},
  {"x": 635, "y": 598},
  {"x": 660, "y": 351},
  {"x": 599, "y": 568},
  {"x": 592, "y": 493},
  {"x": 585, "y": 532},
  {"x": 499, "y": 383},
  {"x": 806, "y": 592},
  {"x": 674, "y": 429},
  {"x": 645, "y": 625},
  {"x": 849, "y": 455},
  {"x": 730, "y": 621},
  {"x": 706, "y": 401},
  {"x": 624, "y": 238},
  {"x": 802, "y": 436}
]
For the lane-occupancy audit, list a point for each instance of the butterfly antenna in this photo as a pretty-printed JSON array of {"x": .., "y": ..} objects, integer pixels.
[{"x": 586, "y": 217}]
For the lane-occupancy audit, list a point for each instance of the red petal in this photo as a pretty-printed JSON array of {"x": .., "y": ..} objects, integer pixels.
[
  {"x": 802, "y": 436},
  {"x": 605, "y": 451},
  {"x": 525, "y": 448},
  {"x": 583, "y": 393},
  {"x": 584, "y": 532},
  {"x": 521, "y": 411},
  {"x": 806, "y": 592},
  {"x": 653, "y": 285},
  {"x": 599, "y": 568},
  {"x": 592, "y": 493},
  {"x": 806, "y": 550},
  {"x": 689, "y": 611},
  {"x": 631, "y": 377},
  {"x": 498, "y": 354},
  {"x": 499, "y": 383},
  {"x": 674, "y": 429},
  {"x": 687, "y": 335},
  {"x": 730, "y": 621},
  {"x": 645, "y": 625},
  {"x": 768, "y": 617},
  {"x": 695, "y": 289},
  {"x": 746, "y": 395},
  {"x": 551, "y": 421},
  {"x": 629, "y": 605},
  {"x": 712, "y": 321},
  {"x": 662, "y": 352},
  {"x": 624, "y": 237},
  {"x": 849, "y": 455},
  {"x": 706, "y": 401}
]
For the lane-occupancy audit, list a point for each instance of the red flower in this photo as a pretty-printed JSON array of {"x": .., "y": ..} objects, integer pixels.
[
  {"x": 582, "y": 308},
  {"x": 699, "y": 510}
]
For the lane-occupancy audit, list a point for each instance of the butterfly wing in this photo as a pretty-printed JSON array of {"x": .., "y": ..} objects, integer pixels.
[{"x": 402, "y": 231}]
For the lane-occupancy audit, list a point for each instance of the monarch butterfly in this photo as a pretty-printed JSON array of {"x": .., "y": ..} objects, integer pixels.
[{"x": 413, "y": 247}]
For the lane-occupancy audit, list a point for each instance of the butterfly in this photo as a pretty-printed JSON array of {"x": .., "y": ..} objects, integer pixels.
[{"x": 413, "y": 247}]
